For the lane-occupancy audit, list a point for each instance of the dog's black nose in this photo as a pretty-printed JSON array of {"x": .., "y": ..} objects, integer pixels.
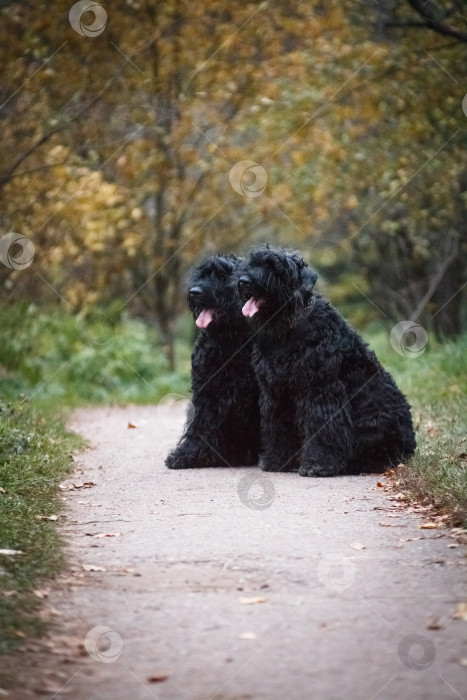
[
  {"x": 245, "y": 288},
  {"x": 194, "y": 293}
]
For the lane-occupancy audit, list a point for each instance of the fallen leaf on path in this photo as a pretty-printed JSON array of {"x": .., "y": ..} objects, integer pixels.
[
  {"x": 127, "y": 570},
  {"x": 247, "y": 635},
  {"x": 158, "y": 678},
  {"x": 460, "y": 534},
  {"x": 379, "y": 484},
  {"x": 67, "y": 486},
  {"x": 11, "y": 552},
  {"x": 399, "y": 497},
  {"x": 436, "y": 623},
  {"x": 41, "y": 593},
  {"x": 47, "y": 517},
  {"x": 131, "y": 425},
  {"x": 84, "y": 485},
  {"x": 251, "y": 601},
  {"x": 107, "y": 534},
  {"x": 461, "y": 612},
  {"x": 429, "y": 526},
  {"x": 92, "y": 567},
  {"x": 357, "y": 545}
]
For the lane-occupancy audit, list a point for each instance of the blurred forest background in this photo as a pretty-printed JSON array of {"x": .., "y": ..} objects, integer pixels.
[{"x": 119, "y": 134}]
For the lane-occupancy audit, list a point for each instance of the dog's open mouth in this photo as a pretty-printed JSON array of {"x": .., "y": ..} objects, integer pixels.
[
  {"x": 205, "y": 317},
  {"x": 251, "y": 307}
]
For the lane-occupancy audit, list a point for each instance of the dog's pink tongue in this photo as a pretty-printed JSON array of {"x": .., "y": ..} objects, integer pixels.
[
  {"x": 204, "y": 319},
  {"x": 251, "y": 307}
]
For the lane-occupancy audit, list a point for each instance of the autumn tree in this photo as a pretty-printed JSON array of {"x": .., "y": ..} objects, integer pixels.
[{"x": 117, "y": 151}]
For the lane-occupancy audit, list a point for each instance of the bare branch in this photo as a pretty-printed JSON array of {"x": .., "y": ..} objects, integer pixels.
[
  {"x": 433, "y": 18},
  {"x": 434, "y": 284}
]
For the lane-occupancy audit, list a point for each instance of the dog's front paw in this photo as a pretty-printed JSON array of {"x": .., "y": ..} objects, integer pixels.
[
  {"x": 189, "y": 455},
  {"x": 266, "y": 465},
  {"x": 310, "y": 470},
  {"x": 178, "y": 460},
  {"x": 320, "y": 469}
]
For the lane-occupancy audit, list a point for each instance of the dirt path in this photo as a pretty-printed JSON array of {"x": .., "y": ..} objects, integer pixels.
[{"x": 217, "y": 586}]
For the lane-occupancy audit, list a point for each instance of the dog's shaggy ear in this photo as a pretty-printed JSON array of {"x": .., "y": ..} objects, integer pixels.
[
  {"x": 307, "y": 276},
  {"x": 226, "y": 264},
  {"x": 269, "y": 257}
]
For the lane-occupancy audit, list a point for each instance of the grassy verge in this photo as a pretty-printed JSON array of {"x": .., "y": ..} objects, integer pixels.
[
  {"x": 436, "y": 385},
  {"x": 35, "y": 454},
  {"x": 49, "y": 362}
]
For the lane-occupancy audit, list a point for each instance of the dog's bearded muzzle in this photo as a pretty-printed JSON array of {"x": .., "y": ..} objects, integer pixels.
[{"x": 199, "y": 306}]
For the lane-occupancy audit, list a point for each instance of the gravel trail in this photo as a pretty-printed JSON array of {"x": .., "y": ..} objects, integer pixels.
[{"x": 231, "y": 584}]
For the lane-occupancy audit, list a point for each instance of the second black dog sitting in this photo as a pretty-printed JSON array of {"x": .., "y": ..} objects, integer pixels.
[
  {"x": 224, "y": 427},
  {"x": 327, "y": 405}
]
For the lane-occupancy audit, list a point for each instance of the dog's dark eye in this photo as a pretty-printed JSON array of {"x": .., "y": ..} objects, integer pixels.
[{"x": 245, "y": 288}]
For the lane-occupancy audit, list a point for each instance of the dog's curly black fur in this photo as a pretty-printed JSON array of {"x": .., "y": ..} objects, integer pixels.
[
  {"x": 224, "y": 428},
  {"x": 327, "y": 405}
]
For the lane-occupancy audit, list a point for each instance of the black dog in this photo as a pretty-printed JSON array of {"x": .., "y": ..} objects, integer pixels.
[
  {"x": 327, "y": 405},
  {"x": 224, "y": 429}
]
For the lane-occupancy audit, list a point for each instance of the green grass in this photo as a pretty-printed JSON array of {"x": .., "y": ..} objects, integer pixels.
[
  {"x": 35, "y": 454},
  {"x": 436, "y": 385}
]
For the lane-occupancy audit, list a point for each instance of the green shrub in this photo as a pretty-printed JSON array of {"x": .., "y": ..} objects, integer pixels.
[{"x": 98, "y": 358}]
